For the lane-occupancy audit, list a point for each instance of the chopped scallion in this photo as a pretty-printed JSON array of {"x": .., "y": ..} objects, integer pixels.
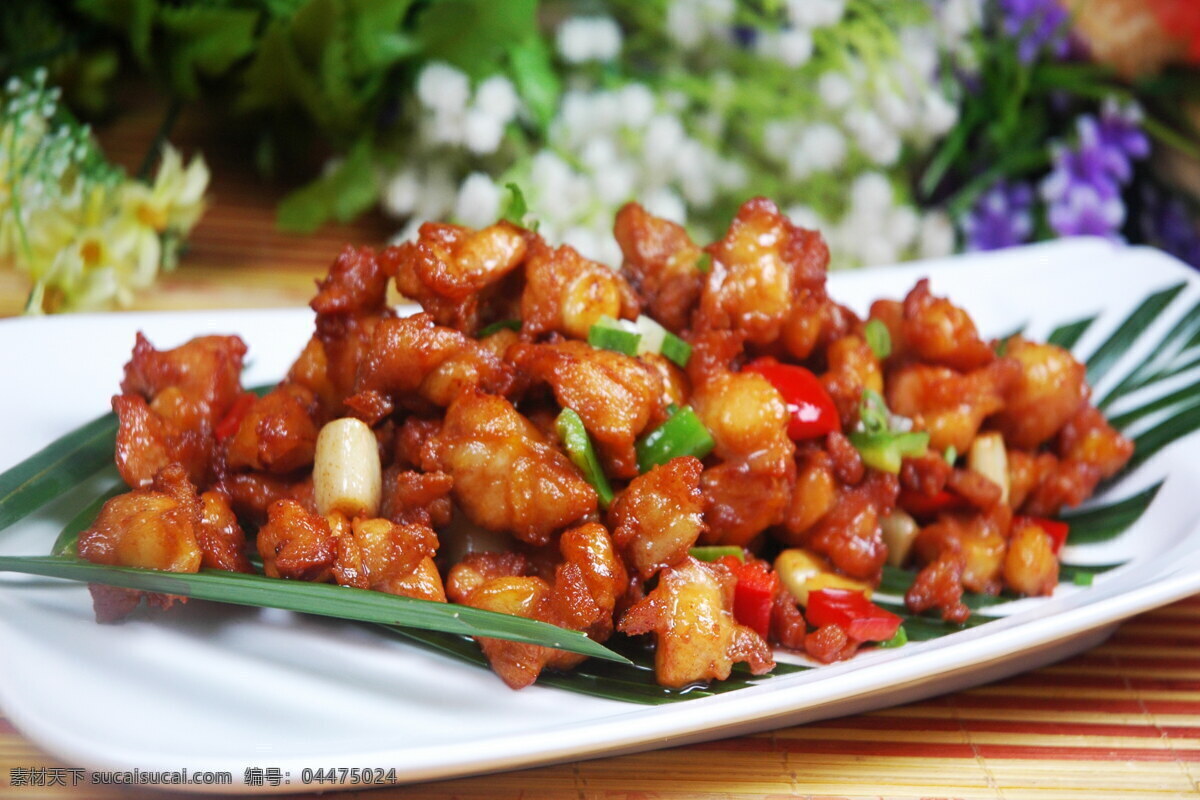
[
  {"x": 496, "y": 327},
  {"x": 878, "y": 338},
  {"x": 579, "y": 449},
  {"x": 704, "y": 265},
  {"x": 606, "y": 337},
  {"x": 1083, "y": 578},
  {"x": 676, "y": 349},
  {"x": 884, "y": 451},
  {"x": 681, "y": 435},
  {"x": 716, "y": 551},
  {"x": 951, "y": 455}
]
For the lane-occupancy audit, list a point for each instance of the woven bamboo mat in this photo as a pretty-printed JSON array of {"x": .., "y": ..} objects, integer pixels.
[{"x": 1120, "y": 721}]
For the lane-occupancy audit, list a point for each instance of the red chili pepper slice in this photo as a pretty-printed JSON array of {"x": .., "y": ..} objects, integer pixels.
[
  {"x": 812, "y": 410},
  {"x": 1058, "y": 531},
  {"x": 754, "y": 596},
  {"x": 232, "y": 420},
  {"x": 862, "y": 620},
  {"x": 929, "y": 504}
]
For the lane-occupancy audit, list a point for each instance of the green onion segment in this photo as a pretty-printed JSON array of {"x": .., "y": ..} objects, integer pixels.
[
  {"x": 681, "y": 435},
  {"x": 879, "y": 339},
  {"x": 579, "y": 449},
  {"x": 715, "y": 551}
]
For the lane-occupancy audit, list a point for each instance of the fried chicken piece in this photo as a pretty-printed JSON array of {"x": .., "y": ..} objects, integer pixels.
[
  {"x": 852, "y": 368},
  {"x": 586, "y": 586},
  {"x": 937, "y": 331},
  {"x": 830, "y": 643},
  {"x": 949, "y": 405},
  {"x": 191, "y": 386},
  {"x": 568, "y": 293},
  {"x": 421, "y": 497},
  {"x": 980, "y": 539},
  {"x": 507, "y": 477},
  {"x": 356, "y": 284},
  {"x": 766, "y": 274},
  {"x": 296, "y": 543},
  {"x": 849, "y": 534},
  {"x": 278, "y": 433},
  {"x": 161, "y": 527},
  {"x": 414, "y": 357},
  {"x": 751, "y": 489},
  {"x": 659, "y": 515},
  {"x": 149, "y": 528},
  {"x": 1090, "y": 450},
  {"x": 1088, "y": 438},
  {"x": 1031, "y": 565},
  {"x": 661, "y": 263},
  {"x": 373, "y": 552},
  {"x": 1048, "y": 391},
  {"x": 939, "y": 585},
  {"x": 250, "y": 494},
  {"x": 814, "y": 494},
  {"x": 449, "y": 268},
  {"x": 690, "y": 612},
  {"x": 171, "y": 400},
  {"x": 423, "y": 583},
  {"x": 221, "y": 539},
  {"x": 329, "y": 363},
  {"x": 146, "y": 444},
  {"x": 615, "y": 395}
]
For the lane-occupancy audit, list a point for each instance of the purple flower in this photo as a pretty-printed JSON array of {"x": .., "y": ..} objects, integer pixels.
[
  {"x": 1001, "y": 217},
  {"x": 1083, "y": 190},
  {"x": 1037, "y": 25},
  {"x": 1084, "y": 211}
]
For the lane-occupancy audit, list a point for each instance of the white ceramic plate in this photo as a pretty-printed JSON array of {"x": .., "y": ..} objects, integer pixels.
[{"x": 227, "y": 689}]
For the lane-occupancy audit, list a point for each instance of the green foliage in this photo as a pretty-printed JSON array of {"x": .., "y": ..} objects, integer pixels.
[{"x": 342, "y": 194}]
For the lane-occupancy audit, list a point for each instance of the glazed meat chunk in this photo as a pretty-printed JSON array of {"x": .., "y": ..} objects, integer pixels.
[
  {"x": 296, "y": 543},
  {"x": 374, "y": 552},
  {"x": 586, "y": 585},
  {"x": 164, "y": 526},
  {"x": 659, "y": 515},
  {"x": 278, "y": 433},
  {"x": 615, "y": 395},
  {"x": 1047, "y": 392},
  {"x": 661, "y": 263},
  {"x": 413, "y": 356},
  {"x": 949, "y": 405},
  {"x": 691, "y": 614},
  {"x": 751, "y": 488},
  {"x": 170, "y": 403},
  {"x": 940, "y": 332},
  {"x": 190, "y": 386},
  {"x": 356, "y": 284},
  {"x": 567, "y": 293},
  {"x": 760, "y": 269},
  {"x": 449, "y": 266},
  {"x": 507, "y": 476}
]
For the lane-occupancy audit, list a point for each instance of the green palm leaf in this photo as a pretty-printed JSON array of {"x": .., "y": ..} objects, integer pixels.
[
  {"x": 322, "y": 599},
  {"x": 1128, "y": 332},
  {"x": 1066, "y": 336}
]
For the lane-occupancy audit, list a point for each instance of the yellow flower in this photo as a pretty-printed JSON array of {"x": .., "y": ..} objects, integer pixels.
[{"x": 175, "y": 201}]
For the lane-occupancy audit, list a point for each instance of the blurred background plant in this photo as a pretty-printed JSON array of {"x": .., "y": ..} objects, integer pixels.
[{"x": 900, "y": 128}]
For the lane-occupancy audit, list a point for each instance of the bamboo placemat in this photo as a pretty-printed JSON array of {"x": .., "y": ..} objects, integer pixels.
[{"x": 1120, "y": 721}]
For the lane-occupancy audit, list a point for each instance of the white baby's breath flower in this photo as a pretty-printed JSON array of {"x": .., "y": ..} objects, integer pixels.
[
  {"x": 902, "y": 226},
  {"x": 636, "y": 103},
  {"x": 815, "y": 13},
  {"x": 478, "y": 201},
  {"x": 835, "y": 89},
  {"x": 871, "y": 193},
  {"x": 805, "y": 217},
  {"x": 825, "y": 146},
  {"x": 482, "y": 132},
  {"x": 792, "y": 47},
  {"x": 936, "y": 236},
  {"x": 443, "y": 88},
  {"x": 583, "y": 39},
  {"x": 778, "y": 136},
  {"x": 400, "y": 192},
  {"x": 497, "y": 97}
]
